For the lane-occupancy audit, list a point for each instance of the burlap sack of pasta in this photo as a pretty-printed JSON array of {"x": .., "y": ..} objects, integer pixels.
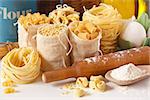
[
  {"x": 27, "y": 28},
  {"x": 64, "y": 14},
  {"x": 52, "y": 44},
  {"x": 109, "y": 20},
  {"x": 85, "y": 39}
]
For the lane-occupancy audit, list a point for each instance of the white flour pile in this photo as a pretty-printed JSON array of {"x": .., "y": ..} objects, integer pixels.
[{"x": 127, "y": 72}]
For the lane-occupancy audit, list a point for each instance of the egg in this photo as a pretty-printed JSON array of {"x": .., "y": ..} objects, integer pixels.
[{"x": 134, "y": 33}]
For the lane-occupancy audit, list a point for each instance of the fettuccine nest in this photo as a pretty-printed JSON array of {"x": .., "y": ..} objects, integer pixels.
[
  {"x": 21, "y": 65},
  {"x": 109, "y": 20}
]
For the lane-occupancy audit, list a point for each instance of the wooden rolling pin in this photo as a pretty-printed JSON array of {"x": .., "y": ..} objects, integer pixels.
[
  {"x": 5, "y": 47},
  {"x": 100, "y": 64}
]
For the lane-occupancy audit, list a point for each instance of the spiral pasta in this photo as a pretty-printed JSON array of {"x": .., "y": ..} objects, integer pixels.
[
  {"x": 109, "y": 20},
  {"x": 21, "y": 65}
]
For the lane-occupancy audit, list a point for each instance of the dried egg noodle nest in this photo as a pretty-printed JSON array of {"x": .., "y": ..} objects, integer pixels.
[
  {"x": 64, "y": 14},
  {"x": 21, "y": 65},
  {"x": 109, "y": 20}
]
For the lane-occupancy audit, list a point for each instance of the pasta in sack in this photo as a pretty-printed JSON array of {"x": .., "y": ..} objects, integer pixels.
[
  {"x": 64, "y": 14},
  {"x": 109, "y": 20},
  {"x": 85, "y": 38},
  {"x": 27, "y": 28},
  {"x": 52, "y": 44}
]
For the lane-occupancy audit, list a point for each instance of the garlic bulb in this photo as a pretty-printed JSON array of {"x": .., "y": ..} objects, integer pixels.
[{"x": 134, "y": 33}]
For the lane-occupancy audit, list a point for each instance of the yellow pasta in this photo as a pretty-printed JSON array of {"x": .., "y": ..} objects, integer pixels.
[
  {"x": 9, "y": 90},
  {"x": 110, "y": 21},
  {"x": 85, "y": 30},
  {"x": 34, "y": 19},
  {"x": 7, "y": 83},
  {"x": 79, "y": 92},
  {"x": 82, "y": 82},
  {"x": 100, "y": 77},
  {"x": 97, "y": 85},
  {"x": 64, "y": 14},
  {"x": 69, "y": 86},
  {"x": 21, "y": 65},
  {"x": 51, "y": 30}
]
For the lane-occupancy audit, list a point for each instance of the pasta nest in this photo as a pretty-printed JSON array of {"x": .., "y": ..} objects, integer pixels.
[
  {"x": 110, "y": 21},
  {"x": 21, "y": 65}
]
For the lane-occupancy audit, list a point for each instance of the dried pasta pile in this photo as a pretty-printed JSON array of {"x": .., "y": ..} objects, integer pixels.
[
  {"x": 64, "y": 14},
  {"x": 51, "y": 30},
  {"x": 109, "y": 19},
  {"x": 96, "y": 83},
  {"x": 84, "y": 30},
  {"x": 33, "y": 19},
  {"x": 21, "y": 65}
]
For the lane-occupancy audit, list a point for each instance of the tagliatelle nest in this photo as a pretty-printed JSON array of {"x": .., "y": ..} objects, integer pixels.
[
  {"x": 109, "y": 20},
  {"x": 64, "y": 14},
  {"x": 21, "y": 65}
]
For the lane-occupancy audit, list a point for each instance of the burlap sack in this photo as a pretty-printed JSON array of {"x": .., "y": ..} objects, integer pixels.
[
  {"x": 83, "y": 48},
  {"x": 53, "y": 50},
  {"x": 26, "y": 36}
]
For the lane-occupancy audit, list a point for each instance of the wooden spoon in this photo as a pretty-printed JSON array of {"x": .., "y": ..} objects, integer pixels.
[{"x": 128, "y": 82}]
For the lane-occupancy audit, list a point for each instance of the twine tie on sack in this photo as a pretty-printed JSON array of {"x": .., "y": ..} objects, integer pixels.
[
  {"x": 99, "y": 50},
  {"x": 64, "y": 63}
]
